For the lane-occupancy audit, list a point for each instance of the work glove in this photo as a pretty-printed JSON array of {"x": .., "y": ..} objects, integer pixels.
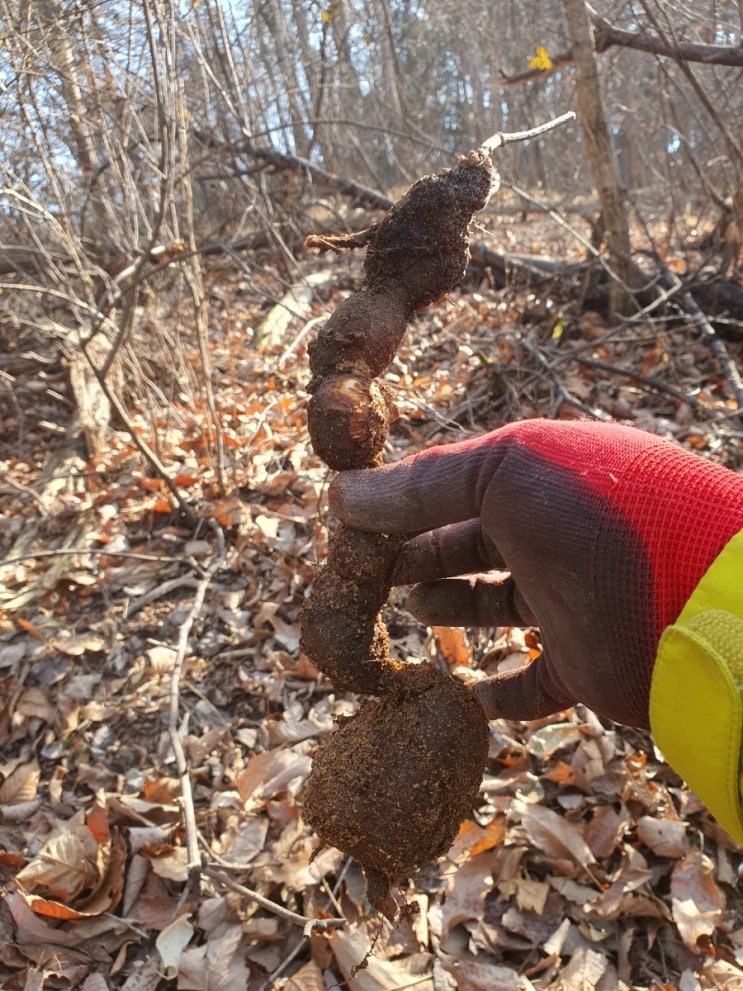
[{"x": 613, "y": 539}]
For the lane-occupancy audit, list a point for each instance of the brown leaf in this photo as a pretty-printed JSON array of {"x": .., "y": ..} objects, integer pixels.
[
  {"x": 307, "y": 978},
  {"x": 34, "y": 704},
  {"x": 218, "y": 963},
  {"x": 76, "y": 644},
  {"x": 353, "y": 947},
  {"x": 64, "y": 866},
  {"x": 271, "y": 772},
  {"x": 171, "y": 942},
  {"x": 603, "y": 833},
  {"x": 466, "y": 890},
  {"x": 453, "y": 644},
  {"x": 33, "y": 930},
  {"x": 619, "y": 899},
  {"x": 473, "y": 975},
  {"x": 698, "y": 904},
  {"x": 473, "y": 839},
  {"x": 584, "y": 971},
  {"x": 171, "y": 865},
  {"x": 21, "y": 785},
  {"x": 230, "y": 511},
  {"x": 553, "y": 834},
  {"x": 79, "y": 871},
  {"x": 665, "y": 837}
]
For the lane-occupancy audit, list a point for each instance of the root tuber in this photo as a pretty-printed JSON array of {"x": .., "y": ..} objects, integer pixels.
[
  {"x": 414, "y": 256},
  {"x": 342, "y": 631},
  {"x": 395, "y": 781}
]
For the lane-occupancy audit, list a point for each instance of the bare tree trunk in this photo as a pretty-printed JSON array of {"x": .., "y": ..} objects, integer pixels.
[{"x": 600, "y": 155}]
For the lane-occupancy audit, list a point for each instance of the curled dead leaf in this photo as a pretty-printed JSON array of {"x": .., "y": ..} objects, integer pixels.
[
  {"x": 171, "y": 942},
  {"x": 453, "y": 645},
  {"x": 76, "y": 644},
  {"x": 34, "y": 704},
  {"x": 553, "y": 834},
  {"x": 78, "y": 872}
]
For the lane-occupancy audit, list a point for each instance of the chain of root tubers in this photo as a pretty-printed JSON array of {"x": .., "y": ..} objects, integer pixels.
[{"x": 396, "y": 780}]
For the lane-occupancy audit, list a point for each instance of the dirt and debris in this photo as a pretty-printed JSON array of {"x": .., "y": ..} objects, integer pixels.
[{"x": 397, "y": 779}]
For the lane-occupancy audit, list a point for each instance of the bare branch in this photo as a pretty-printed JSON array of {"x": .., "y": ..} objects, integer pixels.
[
  {"x": 607, "y": 35},
  {"x": 189, "y": 814},
  {"x": 309, "y": 926},
  {"x": 501, "y": 139}
]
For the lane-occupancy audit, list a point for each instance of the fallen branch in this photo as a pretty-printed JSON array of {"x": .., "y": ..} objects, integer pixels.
[
  {"x": 721, "y": 298},
  {"x": 645, "y": 380},
  {"x": 282, "y": 162},
  {"x": 709, "y": 334},
  {"x": 309, "y": 926},
  {"x": 189, "y": 813}
]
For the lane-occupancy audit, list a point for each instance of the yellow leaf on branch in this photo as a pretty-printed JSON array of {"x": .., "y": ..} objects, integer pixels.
[{"x": 541, "y": 60}]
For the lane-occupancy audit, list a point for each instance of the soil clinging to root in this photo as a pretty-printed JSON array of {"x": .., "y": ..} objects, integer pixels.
[{"x": 396, "y": 780}]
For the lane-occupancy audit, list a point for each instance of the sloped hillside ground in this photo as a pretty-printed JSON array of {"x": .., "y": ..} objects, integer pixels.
[{"x": 586, "y": 863}]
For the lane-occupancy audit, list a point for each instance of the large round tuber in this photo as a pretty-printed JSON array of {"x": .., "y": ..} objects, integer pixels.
[{"x": 395, "y": 781}]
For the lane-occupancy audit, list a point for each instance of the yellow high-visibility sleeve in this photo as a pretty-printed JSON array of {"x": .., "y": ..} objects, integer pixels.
[{"x": 696, "y": 694}]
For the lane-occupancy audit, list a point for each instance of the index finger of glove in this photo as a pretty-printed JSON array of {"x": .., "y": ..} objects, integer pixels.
[
  {"x": 457, "y": 549},
  {"x": 439, "y": 486}
]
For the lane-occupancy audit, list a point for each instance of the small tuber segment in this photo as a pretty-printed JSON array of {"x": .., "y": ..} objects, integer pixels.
[
  {"x": 342, "y": 631},
  {"x": 355, "y": 415}
]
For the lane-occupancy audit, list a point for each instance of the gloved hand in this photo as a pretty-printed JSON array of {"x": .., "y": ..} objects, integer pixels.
[{"x": 606, "y": 532}]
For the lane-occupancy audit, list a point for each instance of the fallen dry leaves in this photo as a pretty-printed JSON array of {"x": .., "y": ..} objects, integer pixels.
[{"x": 586, "y": 863}]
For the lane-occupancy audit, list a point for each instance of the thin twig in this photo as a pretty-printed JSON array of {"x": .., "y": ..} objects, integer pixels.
[
  {"x": 562, "y": 392},
  {"x": 195, "y": 281},
  {"x": 27, "y": 491},
  {"x": 99, "y": 551},
  {"x": 142, "y": 446},
  {"x": 646, "y": 380},
  {"x": 500, "y": 139},
  {"x": 189, "y": 813},
  {"x": 291, "y": 956},
  {"x": 561, "y": 222},
  {"x": 180, "y": 581},
  {"x": 290, "y": 348},
  {"x": 309, "y": 926}
]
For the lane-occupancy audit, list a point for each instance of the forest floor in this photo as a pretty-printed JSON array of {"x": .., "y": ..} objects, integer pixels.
[{"x": 586, "y": 863}]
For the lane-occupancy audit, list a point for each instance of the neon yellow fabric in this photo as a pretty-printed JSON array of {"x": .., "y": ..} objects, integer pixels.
[{"x": 696, "y": 695}]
